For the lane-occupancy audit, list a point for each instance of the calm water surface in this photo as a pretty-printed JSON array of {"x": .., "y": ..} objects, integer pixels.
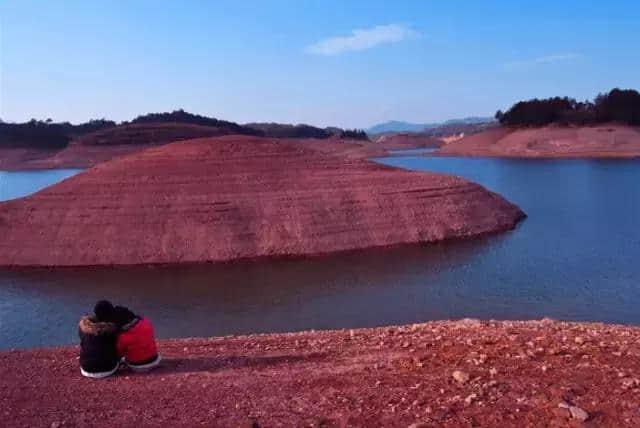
[
  {"x": 412, "y": 152},
  {"x": 16, "y": 184},
  {"x": 575, "y": 257}
]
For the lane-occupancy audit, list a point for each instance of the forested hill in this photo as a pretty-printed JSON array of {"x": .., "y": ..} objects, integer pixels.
[
  {"x": 618, "y": 105},
  {"x": 48, "y": 134},
  {"x": 181, "y": 116},
  {"x": 151, "y": 128}
]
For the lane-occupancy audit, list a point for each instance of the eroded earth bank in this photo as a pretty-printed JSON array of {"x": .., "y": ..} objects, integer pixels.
[
  {"x": 609, "y": 140},
  {"x": 239, "y": 197}
]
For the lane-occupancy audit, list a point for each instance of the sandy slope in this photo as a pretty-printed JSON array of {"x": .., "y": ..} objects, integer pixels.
[
  {"x": 239, "y": 197},
  {"x": 608, "y": 140},
  {"x": 518, "y": 375}
]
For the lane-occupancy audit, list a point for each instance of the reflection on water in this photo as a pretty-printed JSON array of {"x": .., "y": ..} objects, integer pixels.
[
  {"x": 16, "y": 184},
  {"x": 574, "y": 257},
  {"x": 41, "y": 307}
]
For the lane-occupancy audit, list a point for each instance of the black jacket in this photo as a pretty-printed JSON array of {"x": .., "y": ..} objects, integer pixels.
[{"x": 98, "y": 351}]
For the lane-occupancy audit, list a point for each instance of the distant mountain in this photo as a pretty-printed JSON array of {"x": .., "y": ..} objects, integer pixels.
[
  {"x": 397, "y": 126},
  {"x": 473, "y": 120},
  {"x": 451, "y": 128}
]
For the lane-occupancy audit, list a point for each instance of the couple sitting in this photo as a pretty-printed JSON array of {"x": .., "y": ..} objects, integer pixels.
[{"x": 113, "y": 335}]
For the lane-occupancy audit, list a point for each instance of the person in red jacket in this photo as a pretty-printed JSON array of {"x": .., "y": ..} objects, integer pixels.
[{"x": 136, "y": 342}]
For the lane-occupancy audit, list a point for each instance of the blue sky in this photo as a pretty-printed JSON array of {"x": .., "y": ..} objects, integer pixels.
[{"x": 345, "y": 63}]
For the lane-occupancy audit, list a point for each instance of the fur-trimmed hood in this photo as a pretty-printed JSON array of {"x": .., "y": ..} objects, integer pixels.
[{"x": 88, "y": 325}]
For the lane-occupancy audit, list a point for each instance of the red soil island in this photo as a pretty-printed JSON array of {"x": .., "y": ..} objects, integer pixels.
[
  {"x": 466, "y": 373},
  {"x": 602, "y": 141},
  {"x": 239, "y": 197}
]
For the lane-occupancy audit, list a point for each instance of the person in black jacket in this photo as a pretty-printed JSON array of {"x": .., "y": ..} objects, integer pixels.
[{"x": 98, "y": 339}]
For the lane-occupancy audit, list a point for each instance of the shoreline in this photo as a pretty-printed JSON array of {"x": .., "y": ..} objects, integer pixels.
[
  {"x": 250, "y": 260},
  {"x": 365, "y": 153},
  {"x": 544, "y": 156},
  {"x": 602, "y": 141},
  {"x": 451, "y": 373},
  {"x": 548, "y": 142}
]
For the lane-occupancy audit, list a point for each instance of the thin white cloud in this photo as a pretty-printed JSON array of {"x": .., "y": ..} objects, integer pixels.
[
  {"x": 362, "y": 39},
  {"x": 549, "y": 59}
]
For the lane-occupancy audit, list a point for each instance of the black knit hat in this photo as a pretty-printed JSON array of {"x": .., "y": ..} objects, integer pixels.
[
  {"x": 103, "y": 310},
  {"x": 122, "y": 316}
]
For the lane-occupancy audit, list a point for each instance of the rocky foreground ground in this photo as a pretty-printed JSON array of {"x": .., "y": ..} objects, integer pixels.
[{"x": 465, "y": 373}]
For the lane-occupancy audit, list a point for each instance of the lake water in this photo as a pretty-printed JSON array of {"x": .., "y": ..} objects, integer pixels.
[
  {"x": 575, "y": 257},
  {"x": 413, "y": 152},
  {"x": 16, "y": 184}
]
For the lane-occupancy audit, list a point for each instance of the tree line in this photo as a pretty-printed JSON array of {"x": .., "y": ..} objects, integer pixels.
[
  {"x": 280, "y": 130},
  {"x": 618, "y": 105},
  {"x": 181, "y": 116},
  {"x": 45, "y": 133},
  {"x": 48, "y": 134},
  {"x": 354, "y": 134}
]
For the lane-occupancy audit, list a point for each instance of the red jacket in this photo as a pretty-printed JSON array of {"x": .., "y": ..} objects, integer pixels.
[{"x": 137, "y": 342}]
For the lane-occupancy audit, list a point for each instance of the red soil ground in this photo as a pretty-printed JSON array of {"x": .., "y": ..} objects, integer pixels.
[
  {"x": 18, "y": 158},
  {"x": 511, "y": 374},
  {"x": 603, "y": 141},
  {"x": 239, "y": 197},
  {"x": 73, "y": 156}
]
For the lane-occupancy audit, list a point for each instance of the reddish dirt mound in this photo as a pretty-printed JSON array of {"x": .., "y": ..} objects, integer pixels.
[
  {"x": 239, "y": 197},
  {"x": 608, "y": 140},
  {"x": 75, "y": 155},
  {"x": 465, "y": 373},
  {"x": 20, "y": 158},
  {"x": 104, "y": 145}
]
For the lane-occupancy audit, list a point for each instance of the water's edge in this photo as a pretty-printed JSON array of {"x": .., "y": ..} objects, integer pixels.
[{"x": 572, "y": 259}]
